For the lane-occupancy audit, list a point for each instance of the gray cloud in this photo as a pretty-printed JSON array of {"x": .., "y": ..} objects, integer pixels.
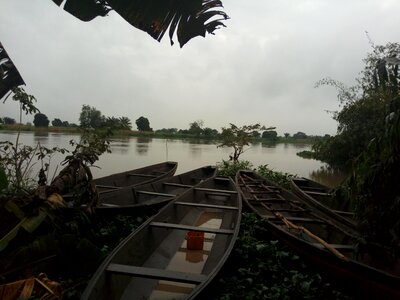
[{"x": 261, "y": 68}]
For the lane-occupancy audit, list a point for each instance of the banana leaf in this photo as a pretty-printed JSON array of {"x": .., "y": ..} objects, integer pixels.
[{"x": 188, "y": 18}]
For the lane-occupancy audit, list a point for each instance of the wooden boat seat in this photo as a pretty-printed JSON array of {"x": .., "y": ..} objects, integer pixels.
[
  {"x": 215, "y": 190},
  {"x": 206, "y": 205},
  {"x": 159, "y": 274},
  {"x": 317, "y": 193},
  {"x": 141, "y": 175},
  {"x": 102, "y": 186},
  {"x": 191, "y": 228},
  {"x": 177, "y": 184},
  {"x": 155, "y": 194},
  {"x": 272, "y": 200}
]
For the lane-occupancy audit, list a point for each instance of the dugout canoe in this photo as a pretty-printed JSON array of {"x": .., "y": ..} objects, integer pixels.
[
  {"x": 155, "y": 261},
  {"x": 322, "y": 198},
  {"x": 362, "y": 271},
  {"x": 135, "y": 177},
  {"x": 151, "y": 196}
]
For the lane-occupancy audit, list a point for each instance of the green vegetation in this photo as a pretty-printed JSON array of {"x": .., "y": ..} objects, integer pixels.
[
  {"x": 143, "y": 124},
  {"x": 368, "y": 143},
  {"x": 262, "y": 268},
  {"x": 238, "y": 138}
]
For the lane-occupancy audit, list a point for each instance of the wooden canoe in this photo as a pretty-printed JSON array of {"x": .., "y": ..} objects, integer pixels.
[
  {"x": 153, "y": 195},
  {"x": 320, "y": 197},
  {"x": 368, "y": 271},
  {"x": 136, "y": 177},
  {"x": 156, "y": 262}
]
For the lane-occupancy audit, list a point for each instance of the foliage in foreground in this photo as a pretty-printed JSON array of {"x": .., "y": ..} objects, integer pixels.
[
  {"x": 261, "y": 268},
  {"x": 229, "y": 169}
]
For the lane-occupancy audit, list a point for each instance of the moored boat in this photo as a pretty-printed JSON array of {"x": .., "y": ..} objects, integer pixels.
[
  {"x": 137, "y": 176},
  {"x": 322, "y": 198},
  {"x": 362, "y": 271},
  {"x": 161, "y": 259},
  {"x": 153, "y": 195}
]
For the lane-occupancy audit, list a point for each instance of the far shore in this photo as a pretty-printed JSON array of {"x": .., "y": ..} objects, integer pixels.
[{"x": 150, "y": 134}]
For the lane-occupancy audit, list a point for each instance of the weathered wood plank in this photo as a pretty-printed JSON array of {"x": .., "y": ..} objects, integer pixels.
[
  {"x": 207, "y": 205},
  {"x": 159, "y": 274},
  {"x": 191, "y": 228}
]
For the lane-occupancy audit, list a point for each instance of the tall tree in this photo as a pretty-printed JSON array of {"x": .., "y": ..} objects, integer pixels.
[
  {"x": 143, "y": 124},
  {"x": 187, "y": 19},
  {"x": 125, "y": 123},
  {"x": 238, "y": 138},
  {"x": 57, "y": 123},
  {"x": 41, "y": 120},
  {"x": 196, "y": 128},
  {"x": 90, "y": 117}
]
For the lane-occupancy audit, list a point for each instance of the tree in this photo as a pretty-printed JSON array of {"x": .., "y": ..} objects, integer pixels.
[
  {"x": 209, "y": 132},
  {"x": 9, "y": 121},
  {"x": 364, "y": 107},
  {"x": 125, "y": 123},
  {"x": 143, "y": 124},
  {"x": 90, "y": 117},
  {"x": 300, "y": 135},
  {"x": 187, "y": 19},
  {"x": 195, "y": 128},
  {"x": 271, "y": 135},
  {"x": 57, "y": 123},
  {"x": 41, "y": 120},
  {"x": 287, "y": 134},
  {"x": 238, "y": 137}
]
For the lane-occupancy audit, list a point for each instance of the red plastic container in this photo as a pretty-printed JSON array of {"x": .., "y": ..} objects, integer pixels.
[{"x": 195, "y": 240}]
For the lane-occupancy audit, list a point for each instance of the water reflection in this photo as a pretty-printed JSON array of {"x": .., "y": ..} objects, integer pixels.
[
  {"x": 41, "y": 137},
  {"x": 268, "y": 144},
  {"x": 195, "y": 150},
  {"x": 142, "y": 145},
  {"x": 328, "y": 176},
  {"x": 120, "y": 146}
]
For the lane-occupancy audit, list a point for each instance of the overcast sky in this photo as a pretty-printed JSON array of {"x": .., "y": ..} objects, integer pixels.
[{"x": 261, "y": 68}]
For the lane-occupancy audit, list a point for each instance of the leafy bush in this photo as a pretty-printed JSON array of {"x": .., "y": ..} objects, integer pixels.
[
  {"x": 282, "y": 179},
  {"x": 229, "y": 168}
]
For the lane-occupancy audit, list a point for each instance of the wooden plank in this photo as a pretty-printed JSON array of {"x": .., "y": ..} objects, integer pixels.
[
  {"x": 102, "y": 186},
  {"x": 344, "y": 213},
  {"x": 265, "y": 192},
  {"x": 295, "y": 219},
  {"x": 159, "y": 274},
  {"x": 206, "y": 205},
  {"x": 317, "y": 193},
  {"x": 289, "y": 210},
  {"x": 191, "y": 228},
  {"x": 177, "y": 184},
  {"x": 337, "y": 246},
  {"x": 141, "y": 175},
  {"x": 215, "y": 190},
  {"x": 155, "y": 194}
]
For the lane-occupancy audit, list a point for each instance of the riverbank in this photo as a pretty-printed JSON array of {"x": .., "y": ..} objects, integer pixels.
[{"x": 134, "y": 133}]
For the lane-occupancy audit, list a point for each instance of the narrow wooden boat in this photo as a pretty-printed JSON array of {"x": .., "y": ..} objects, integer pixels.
[
  {"x": 161, "y": 259},
  {"x": 137, "y": 176},
  {"x": 321, "y": 197},
  {"x": 153, "y": 195},
  {"x": 368, "y": 271}
]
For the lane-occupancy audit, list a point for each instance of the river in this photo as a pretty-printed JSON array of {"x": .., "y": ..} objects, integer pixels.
[{"x": 134, "y": 152}]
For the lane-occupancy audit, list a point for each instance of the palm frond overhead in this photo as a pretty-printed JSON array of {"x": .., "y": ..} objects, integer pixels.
[
  {"x": 9, "y": 75},
  {"x": 188, "y": 18}
]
